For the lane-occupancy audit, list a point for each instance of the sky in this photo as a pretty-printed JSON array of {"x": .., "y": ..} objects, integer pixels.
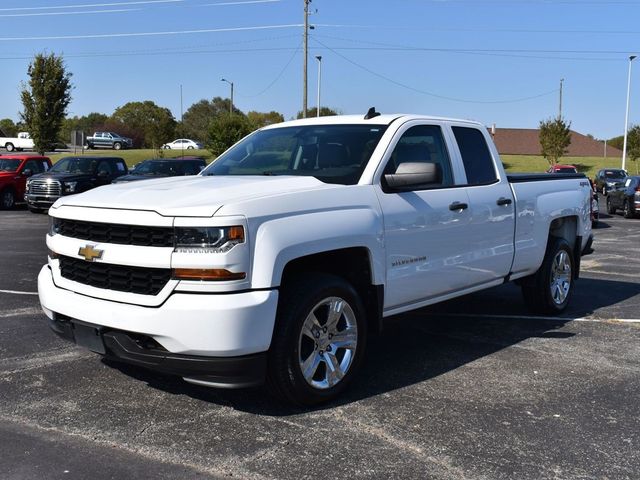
[{"x": 494, "y": 61}]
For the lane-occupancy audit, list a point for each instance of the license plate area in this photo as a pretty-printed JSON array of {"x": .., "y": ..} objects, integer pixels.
[{"x": 89, "y": 337}]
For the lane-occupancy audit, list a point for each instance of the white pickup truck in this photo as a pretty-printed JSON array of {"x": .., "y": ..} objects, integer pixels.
[
  {"x": 22, "y": 142},
  {"x": 281, "y": 257}
]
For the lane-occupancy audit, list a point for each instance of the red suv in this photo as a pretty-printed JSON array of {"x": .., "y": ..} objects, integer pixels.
[
  {"x": 14, "y": 171},
  {"x": 562, "y": 169}
]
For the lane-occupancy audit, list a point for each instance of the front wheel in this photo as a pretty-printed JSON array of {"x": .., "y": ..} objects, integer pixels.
[
  {"x": 117, "y": 146},
  {"x": 7, "y": 199},
  {"x": 611, "y": 210},
  {"x": 627, "y": 211},
  {"x": 549, "y": 289},
  {"x": 319, "y": 340}
]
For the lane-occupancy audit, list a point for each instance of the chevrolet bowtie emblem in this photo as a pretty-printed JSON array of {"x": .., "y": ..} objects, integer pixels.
[{"x": 89, "y": 253}]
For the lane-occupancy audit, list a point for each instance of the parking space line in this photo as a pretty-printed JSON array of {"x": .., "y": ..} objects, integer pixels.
[
  {"x": 18, "y": 312},
  {"x": 16, "y": 292},
  {"x": 538, "y": 317}
]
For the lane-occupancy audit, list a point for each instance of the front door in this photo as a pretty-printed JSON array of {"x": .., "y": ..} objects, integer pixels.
[{"x": 425, "y": 228}]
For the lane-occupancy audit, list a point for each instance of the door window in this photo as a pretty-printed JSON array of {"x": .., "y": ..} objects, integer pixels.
[
  {"x": 477, "y": 160},
  {"x": 423, "y": 143}
]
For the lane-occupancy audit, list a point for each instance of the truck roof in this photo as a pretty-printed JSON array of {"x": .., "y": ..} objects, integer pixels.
[
  {"x": 24, "y": 157},
  {"x": 385, "y": 119}
]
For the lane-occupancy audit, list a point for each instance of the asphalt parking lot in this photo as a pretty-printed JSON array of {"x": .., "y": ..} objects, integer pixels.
[{"x": 475, "y": 388}]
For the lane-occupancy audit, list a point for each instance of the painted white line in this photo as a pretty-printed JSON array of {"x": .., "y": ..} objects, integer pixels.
[
  {"x": 16, "y": 292},
  {"x": 20, "y": 311},
  {"x": 534, "y": 317}
]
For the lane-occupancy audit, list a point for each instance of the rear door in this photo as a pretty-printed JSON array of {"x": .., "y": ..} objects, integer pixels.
[{"x": 490, "y": 233}]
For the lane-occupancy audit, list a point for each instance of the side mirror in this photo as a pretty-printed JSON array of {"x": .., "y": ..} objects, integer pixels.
[
  {"x": 413, "y": 174},
  {"x": 27, "y": 172}
]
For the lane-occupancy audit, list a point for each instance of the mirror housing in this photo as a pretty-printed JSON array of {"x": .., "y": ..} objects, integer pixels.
[
  {"x": 27, "y": 172},
  {"x": 413, "y": 174}
]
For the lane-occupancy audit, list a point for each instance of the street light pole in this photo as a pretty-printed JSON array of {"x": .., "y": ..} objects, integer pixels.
[
  {"x": 561, "y": 82},
  {"x": 230, "y": 106},
  {"x": 305, "y": 41},
  {"x": 319, "y": 58},
  {"x": 626, "y": 116}
]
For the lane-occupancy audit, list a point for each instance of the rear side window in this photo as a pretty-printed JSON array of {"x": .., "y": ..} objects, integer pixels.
[{"x": 476, "y": 157}]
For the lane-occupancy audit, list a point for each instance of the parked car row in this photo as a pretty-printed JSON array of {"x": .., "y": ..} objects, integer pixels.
[{"x": 33, "y": 179}]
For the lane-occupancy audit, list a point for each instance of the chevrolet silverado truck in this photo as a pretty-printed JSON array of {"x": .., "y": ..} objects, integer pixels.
[
  {"x": 277, "y": 262},
  {"x": 108, "y": 140},
  {"x": 22, "y": 142}
]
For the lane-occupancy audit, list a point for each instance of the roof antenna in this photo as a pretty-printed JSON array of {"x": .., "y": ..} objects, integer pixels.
[{"x": 371, "y": 113}]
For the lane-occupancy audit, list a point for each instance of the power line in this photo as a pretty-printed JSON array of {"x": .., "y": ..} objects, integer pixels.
[
  {"x": 275, "y": 80},
  {"x": 82, "y": 12},
  {"x": 149, "y": 34},
  {"x": 431, "y": 94},
  {"x": 91, "y": 5}
]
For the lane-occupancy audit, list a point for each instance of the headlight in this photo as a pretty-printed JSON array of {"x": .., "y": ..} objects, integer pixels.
[
  {"x": 207, "y": 239},
  {"x": 70, "y": 187},
  {"x": 54, "y": 226}
]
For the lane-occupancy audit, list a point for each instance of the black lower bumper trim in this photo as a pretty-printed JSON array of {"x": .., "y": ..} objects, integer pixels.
[{"x": 230, "y": 372}]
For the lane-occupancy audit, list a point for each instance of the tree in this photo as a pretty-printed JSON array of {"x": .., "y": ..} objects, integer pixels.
[
  {"x": 45, "y": 99},
  {"x": 324, "y": 112},
  {"x": 155, "y": 124},
  {"x": 226, "y": 130},
  {"x": 555, "y": 138},
  {"x": 259, "y": 119},
  {"x": 9, "y": 128},
  {"x": 196, "y": 121},
  {"x": 616, "y": 142},
  {"x": 88, "y": 124},
  {"x": 633, "y": 145}
]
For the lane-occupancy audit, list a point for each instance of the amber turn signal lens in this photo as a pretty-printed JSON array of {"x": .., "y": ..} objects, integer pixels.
[
  {"x": 236, "y": 234},
  {"x": 212, "y": 274}
]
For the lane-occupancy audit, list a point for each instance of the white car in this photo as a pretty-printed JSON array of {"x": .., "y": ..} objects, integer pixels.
[{"x": 183, "y": 143}]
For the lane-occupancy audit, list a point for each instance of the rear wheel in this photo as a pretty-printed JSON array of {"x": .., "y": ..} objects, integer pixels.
[
  {"x": 549, "y": 289},
  {"x": 9, "y": 147},
  {"x": 7, "y": 199},
  {"x": 627, "y": 211},
  {"x": 611, "y": 210},
  {"x": 319, "y": 340}
]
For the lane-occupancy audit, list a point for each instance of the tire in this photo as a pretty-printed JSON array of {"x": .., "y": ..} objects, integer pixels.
[
  {"x": 305, "y": 336},
  {"x": 117, "y": 146},
  {"x": 189, "y": 147},
  {"x": 7, "y": 199},
  {"x": 549, "y": 290},
  {"x": 604, "y": 190},
  {"x": 9, "y": 147},
  {"x": 627, "y": 211},
  {"x": 611, "y": 210}
]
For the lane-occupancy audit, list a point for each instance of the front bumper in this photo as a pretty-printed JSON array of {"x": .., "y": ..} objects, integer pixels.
[
  {"x": 40, "y": 201},
  {"x": 217, "y": 339}
]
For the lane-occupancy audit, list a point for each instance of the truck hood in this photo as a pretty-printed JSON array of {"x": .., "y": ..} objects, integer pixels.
[{"x": 193, "y": 196}]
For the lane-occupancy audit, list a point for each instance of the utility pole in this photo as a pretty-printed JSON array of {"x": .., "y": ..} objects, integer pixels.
[
  {"x": 306, "y": 55},
  {"x": 561, "y": 82},
  {"x": 319, "y": 58},
  {"x": 181, "y": 121}
]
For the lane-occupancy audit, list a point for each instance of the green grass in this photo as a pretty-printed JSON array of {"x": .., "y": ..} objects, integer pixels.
[
  {"x": 587, "y": 165},
  {"x": 132, "y": 157},
  {"x": 512, "y": 163}
]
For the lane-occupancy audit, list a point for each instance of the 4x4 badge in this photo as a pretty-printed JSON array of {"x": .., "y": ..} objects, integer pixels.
[{"x": 89, "y": 253}]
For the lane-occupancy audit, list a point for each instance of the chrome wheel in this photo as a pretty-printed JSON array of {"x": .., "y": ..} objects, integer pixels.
[
  {"x": 327, "y": 343},
  {"x": 560, "y": 277}
]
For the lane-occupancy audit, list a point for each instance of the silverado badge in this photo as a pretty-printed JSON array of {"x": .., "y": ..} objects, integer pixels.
[{"x": 89, "y": 253}]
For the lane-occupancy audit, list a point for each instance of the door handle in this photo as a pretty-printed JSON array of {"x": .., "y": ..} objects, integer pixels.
[
  {"x": 503, "y": 201},
  {"x": 458, "y": 206}
]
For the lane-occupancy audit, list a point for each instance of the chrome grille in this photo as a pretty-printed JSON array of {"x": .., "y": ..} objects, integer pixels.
[{"x": 45, "y": 187}]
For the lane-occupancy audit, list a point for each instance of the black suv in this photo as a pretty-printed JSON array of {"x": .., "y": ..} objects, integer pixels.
[
  {"x": 71, "y": 175},
  {"x": 606, "y": 179},
  {"x": 625, "y": 196},
  {"x": 163, "y": 167}
]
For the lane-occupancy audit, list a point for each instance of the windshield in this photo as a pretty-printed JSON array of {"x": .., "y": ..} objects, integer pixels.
[
  {"x": 7, "y": 165},
  {"x": 150, "y": 167},
  {"x": 330, "y": 153},
  {"x": 615, "y": 174},
  {"x": 75, "y": 165}
]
